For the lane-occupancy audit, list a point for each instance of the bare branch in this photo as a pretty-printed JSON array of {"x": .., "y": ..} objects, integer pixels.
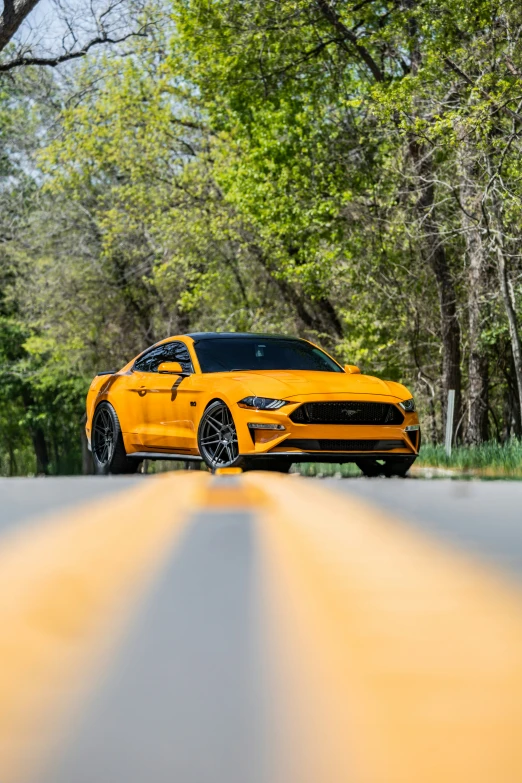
[
  {"x": 498, "y": 107},
  {"x": 62, "y": 58},
  {"x": 329, "y": 13}
]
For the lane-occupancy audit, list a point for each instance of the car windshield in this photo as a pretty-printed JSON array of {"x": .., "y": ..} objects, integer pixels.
[{"x": 227, "y": 354}]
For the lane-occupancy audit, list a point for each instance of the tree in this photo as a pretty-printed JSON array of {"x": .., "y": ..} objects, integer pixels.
[
  {"x": 14, "y": 13},
  {"x": 104, "y": 22},
  {"x": 349, "y": 172}
]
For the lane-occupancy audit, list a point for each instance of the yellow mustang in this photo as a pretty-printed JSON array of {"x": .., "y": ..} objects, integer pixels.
[{"x": 248, "y": 400}]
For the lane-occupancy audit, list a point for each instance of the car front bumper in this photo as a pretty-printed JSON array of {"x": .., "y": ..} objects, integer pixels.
[{"x": 325, "y": 442}]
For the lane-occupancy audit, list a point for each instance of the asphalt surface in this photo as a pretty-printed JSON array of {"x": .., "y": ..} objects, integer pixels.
[
  {"x": 482, "y": 518},
  {"x": 280, "y": 613},
  {"x": 192, "y": 663},
  {"x": 26, "y": 499}
]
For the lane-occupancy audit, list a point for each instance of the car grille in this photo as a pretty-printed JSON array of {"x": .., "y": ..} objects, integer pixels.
[
  {"x": 347, "y": 413},
  {"x": 343, "y": 445}
]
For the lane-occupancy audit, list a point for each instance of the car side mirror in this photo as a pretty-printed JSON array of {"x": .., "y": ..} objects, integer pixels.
[
  {"x": 171, "y": 368},
  {"x": 352, "y": 368}
]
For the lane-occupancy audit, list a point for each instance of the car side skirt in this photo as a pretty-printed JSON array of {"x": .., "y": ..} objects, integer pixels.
[
  {"x": 294, "y": 456},
  {"x": 163, "y": 455}
]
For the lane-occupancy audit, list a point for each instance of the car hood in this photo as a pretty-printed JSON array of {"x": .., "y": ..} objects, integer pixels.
[{"x": 287, "y": 384}]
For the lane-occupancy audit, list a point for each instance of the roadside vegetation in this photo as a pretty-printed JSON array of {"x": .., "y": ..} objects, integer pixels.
[
  {"x": 491, "y": 458},
  {"x": 347, "y": 172}
]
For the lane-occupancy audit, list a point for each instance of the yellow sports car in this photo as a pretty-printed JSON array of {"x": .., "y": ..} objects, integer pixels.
[{"x": 248, "y": 400}]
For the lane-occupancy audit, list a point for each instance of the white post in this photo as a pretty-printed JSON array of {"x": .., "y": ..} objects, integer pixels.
[{"x": 449, "y": 421}]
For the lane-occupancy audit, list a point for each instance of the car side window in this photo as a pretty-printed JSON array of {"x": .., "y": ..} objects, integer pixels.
[
  {"x": 167, "y": 352},
  {"x": 178, "y": 352}
]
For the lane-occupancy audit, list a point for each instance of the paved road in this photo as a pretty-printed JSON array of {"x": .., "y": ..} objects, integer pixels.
[
  {"x": 260, "y": 629},
  {"x": 483, "y": 518},
  {"x": 23, "y": 499}
]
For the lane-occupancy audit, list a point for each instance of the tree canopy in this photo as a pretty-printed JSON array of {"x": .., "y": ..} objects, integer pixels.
[{"x": 345, "y": 171}]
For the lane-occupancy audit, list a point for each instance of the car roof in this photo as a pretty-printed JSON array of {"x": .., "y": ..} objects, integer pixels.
[{"x": 227, "y": 335}]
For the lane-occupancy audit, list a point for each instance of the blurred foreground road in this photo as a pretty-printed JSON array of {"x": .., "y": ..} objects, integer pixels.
[
  {"x": 483, "y": 518},
  {"x": 260, "y": 629}
]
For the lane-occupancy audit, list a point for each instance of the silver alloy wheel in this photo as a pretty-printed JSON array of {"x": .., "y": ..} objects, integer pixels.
[
  {"x": 103, "y": 436},
  {"x": 218, "y": 437}
]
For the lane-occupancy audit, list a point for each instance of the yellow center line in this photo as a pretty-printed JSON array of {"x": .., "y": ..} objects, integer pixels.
[
  {"x": 68, "y": 588},
  {"x": 231, "y": 492},
  {"x": 395, "y": 659}
]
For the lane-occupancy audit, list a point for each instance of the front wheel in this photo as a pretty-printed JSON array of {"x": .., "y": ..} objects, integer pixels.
[
  {"x": 108, "y": 451},
  {"x": 217, "y": 437}
]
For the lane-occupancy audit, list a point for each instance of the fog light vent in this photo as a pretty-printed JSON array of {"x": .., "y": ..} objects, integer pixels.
[{"x": 254, "y": 426}]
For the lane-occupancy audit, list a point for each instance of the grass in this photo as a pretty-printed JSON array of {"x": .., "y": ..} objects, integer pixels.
[
  {"x": 490, "y": 458},
  {"x": 326, "y": 469}
]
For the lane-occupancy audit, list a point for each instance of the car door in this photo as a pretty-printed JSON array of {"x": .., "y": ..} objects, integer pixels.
[{"x": 166, "y": 420}]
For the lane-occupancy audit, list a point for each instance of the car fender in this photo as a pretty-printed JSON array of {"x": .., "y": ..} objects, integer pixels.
[
  {"x": 106, "y": 388},
  {"x": 98, "y": 383},
  {"x": 231, "y": 391}
]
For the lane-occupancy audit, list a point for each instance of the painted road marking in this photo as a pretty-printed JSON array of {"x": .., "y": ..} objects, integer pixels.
[
  {"x": 481, "y": 518},
  {"x": 396, "y": 660},
  {"x": 364, "y": 652},
  {"x": 67, "y": 589},
  {"x": 186, "y": 700}
]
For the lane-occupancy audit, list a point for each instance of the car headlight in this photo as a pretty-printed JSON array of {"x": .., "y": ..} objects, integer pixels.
[
  {"x": 408, "y": 405},
  {"x": 261, "y": 403}
]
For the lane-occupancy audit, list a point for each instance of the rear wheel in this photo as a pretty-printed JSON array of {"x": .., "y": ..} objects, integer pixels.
[
  {"x": 108, "y": 451},
  {"x": 387, "y": 467},
  {"x": 395, "y": 467},
  {"x": 275, "y": 465},
  {"x": 370, "y": 467}
]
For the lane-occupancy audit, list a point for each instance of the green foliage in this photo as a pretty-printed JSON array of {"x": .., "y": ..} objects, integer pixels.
[
  {"x": 326, "y": 470},
  {"x": 254, "y": 166},
  {"x": 491, "y": 456}
]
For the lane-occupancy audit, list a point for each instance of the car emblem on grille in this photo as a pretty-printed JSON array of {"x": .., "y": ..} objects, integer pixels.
[{"x": 349, "y": 411}]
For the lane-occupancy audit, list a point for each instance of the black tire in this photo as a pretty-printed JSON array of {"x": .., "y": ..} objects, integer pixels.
[
  {"x": 275, "y": 465},
  {"x": 108, "y": 451},
  {"x": 217, "y": 438},
  {"x": 397, "y": 467},
  {"x": 370, "y": 467}
]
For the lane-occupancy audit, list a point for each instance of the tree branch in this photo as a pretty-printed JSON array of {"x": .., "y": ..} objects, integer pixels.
[
  {"x": 498, "y": 107},
  {"x": 329, "y": 13},
  {"x": 62, "y": 58}
]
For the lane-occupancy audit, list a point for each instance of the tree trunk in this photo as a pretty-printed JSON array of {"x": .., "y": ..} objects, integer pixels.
[
  {"x": 12, "y": 17},
  {"x": 12, "y": 458},
  {"x": 435, "y": 254},
  {"x": 41, "y": 451},
  {"x": 319, "y": 317},
  {"x": 509, "y": 304},
  {"x": 476, "y": 430}
]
